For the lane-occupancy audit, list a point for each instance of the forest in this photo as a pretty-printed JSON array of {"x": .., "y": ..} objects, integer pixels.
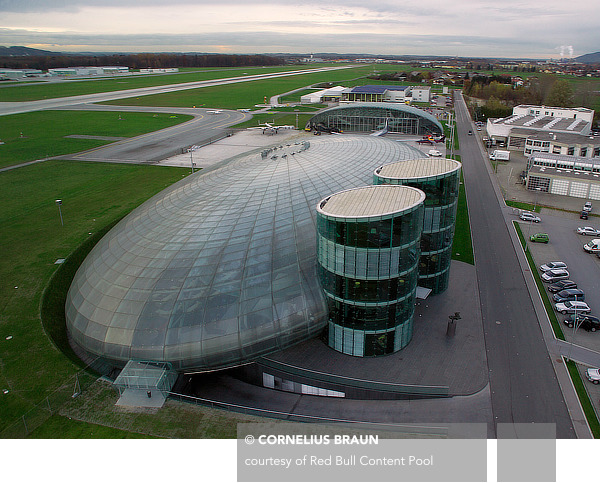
[{"x": 137, "y": 61}]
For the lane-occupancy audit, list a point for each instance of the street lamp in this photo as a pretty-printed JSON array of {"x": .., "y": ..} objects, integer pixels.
[
  {"x": 531, "y": 222},
  {"x": 576, "y": 325},
  {"x": 58, "y": 203}
]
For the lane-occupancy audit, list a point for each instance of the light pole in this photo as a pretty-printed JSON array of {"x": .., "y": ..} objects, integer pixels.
[
  {"x": 576, "y": 325},
  {"x": 531, "y": 222},
  {"x": 192, "y": 158},
  {"x": 58, "y": 203}
]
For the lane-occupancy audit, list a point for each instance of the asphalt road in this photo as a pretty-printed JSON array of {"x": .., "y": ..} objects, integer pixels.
[{"x": 523, "y": 383}]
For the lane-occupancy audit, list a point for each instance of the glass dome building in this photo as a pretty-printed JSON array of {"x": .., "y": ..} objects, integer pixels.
[
  {"x": 374, "y": 116},
  {"x": 368, "y": 255},
  {"x": 219, "y": 268},
  {"x": 439, "y": 179}
]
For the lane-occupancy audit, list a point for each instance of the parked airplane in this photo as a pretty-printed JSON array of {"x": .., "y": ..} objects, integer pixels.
[
  {"x": 270, "y": 128},
  {"x": 430, "y": 139}
]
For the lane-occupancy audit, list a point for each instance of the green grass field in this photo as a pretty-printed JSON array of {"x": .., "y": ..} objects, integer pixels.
[
  {"x": 36, "y": 91},
  {"x": 94, "y": 195},
  {"x": 41, "y": 134},
  {"x": 246, "y": 94},
  {"x": 462, "y": 246}
]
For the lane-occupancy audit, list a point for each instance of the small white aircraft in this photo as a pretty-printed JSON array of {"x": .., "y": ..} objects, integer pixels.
[
  {"x": 270, "y": 128},
  {"x": 214, "y": 111}
]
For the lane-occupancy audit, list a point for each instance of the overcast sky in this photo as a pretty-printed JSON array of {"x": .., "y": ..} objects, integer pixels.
[{"x": 498, "y": 28}]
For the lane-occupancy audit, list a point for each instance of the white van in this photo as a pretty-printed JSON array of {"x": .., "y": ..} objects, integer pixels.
[
  {"x": 592, "y": 246},
  {"x": 499, "y": 155}
]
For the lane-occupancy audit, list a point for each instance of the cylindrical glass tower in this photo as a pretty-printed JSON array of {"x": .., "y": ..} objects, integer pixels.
[
  {"x": 439, "y": 179},
  {"x": 368, "y": 244}
]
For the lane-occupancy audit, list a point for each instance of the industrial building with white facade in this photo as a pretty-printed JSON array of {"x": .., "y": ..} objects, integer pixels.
[
  {"x": 563, "y": 152},
  {"x": 369, "y": 93}
]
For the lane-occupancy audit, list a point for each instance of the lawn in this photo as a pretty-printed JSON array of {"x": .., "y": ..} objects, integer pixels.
[
  {"x": 33, "y": 92},
  {"x": 556, "y": 327},
  {"x": 93, "y": 195},
  {"x": 246, "y": 94},
  {"x": 462, "y": 247},
  {"x": 41, "y": 134}
]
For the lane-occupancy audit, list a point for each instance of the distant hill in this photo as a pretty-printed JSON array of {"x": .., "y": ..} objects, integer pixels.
[
  {"x": 23, "y": 51},
  {"x": 589, "y": 58}
]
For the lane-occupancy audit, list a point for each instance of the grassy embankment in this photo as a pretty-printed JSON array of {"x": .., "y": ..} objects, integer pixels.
[{"x": 93, "y": 195}]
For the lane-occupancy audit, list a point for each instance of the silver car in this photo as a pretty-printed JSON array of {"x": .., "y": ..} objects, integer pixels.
[
  {"x": 573, "y": 306},
  {"x": 555, "y": 275},
  {"x": 527, "y": 216},
  {"x": 588, "y": 230},
  {"x": 553, "y": 266},
  {"x": 593, "y": 375}
]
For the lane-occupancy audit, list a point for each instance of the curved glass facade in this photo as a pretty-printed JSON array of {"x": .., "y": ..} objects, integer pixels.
[
  {"x": 373, "y": 116},
  {"x": 368, "y": 256},
  {"x": 439, "y": 179},
  {"x": 220, "y": 268}
]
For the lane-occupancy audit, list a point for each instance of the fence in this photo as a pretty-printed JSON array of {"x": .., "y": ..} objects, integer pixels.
[{"x": 42, "y": 411}]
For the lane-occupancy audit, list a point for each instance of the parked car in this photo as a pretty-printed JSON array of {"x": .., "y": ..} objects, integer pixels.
[
  {"x": 584, "y": 215},
  {"x": 572, "y": 306},
  {"x": 552, "y": 266},
  {"x": 555, "y": 275},
  {"x": 593, "y": 246},
  {"x": 584, "y": 321},
  {"x": 593, "y": 375},
  {"x": 561, "y": 285},
  {"x": 434, "y": 153},
  {"x": 470, "y": 133},
  {"x": 540, "y": 238},
  {"x": 587, "y": 207},
  {"x": 588, "y": 230},
  {"x": 528, "y": 216},
  {"x": 569, "y": 294}
]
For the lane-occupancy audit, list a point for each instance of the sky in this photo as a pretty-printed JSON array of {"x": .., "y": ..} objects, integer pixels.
[{"x": 536, "y": 29}]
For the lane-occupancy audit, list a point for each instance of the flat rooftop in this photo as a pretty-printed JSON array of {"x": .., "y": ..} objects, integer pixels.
[
  {"x": 418, "y": 168},
  {"x": 372, "y": 201}
]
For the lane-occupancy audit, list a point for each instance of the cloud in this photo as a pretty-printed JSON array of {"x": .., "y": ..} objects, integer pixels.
[
  {"x": 264, "y": 41},
  {"x": 512, "y": 28}
]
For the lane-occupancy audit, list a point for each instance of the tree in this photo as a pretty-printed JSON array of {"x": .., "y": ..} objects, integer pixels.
[{"x": 560, "y": 95}]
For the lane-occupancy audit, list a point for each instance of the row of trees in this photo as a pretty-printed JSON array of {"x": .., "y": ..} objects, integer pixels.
[
  {"x": 544, "y": 90},
  {"x": 547, "y": 90},
  {"x": 138, "y": 61}
]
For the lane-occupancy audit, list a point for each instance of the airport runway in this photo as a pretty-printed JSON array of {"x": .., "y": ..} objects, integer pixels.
[{"x": 19, "y": 107}]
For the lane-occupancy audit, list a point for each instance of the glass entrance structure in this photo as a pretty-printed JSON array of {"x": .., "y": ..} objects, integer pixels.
[
  {"x": 439, "y": 179},
  {"x": 373, "y": 116},
  {"x": 368, "y": 244}
]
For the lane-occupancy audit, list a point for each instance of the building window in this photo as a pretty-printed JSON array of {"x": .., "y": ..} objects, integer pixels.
[
  {"x": 571, "y": 151},
  {"x": 556, "y": 149},
  {"x": 596, "y": 152},
  {"x": 538, "y": 183},
  {"x": 583, "y": 152}
]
